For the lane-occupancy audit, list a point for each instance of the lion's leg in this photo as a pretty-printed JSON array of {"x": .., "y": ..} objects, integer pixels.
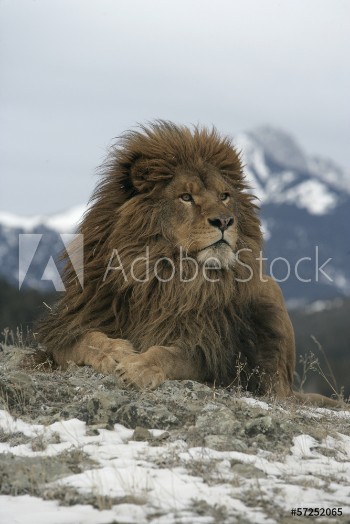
[
  {"x": 275, "y": 343},
  {"x": 275, "y": 365},
  {"x": 157, "y": 364},
  {"x": 95, "y": 349}
]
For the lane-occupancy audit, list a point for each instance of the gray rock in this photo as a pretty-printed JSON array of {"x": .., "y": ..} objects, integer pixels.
[
  {"x": 101, "y": 408},
  {"x": 23, "y": 475},
  {"x": 181, "y": 390},
  {"x": 218, "y": 421},
  {"x": 247, "y": 470},
  {"x": 141, "y": 434},
  {"x": 260, "y": 425},
  {"x": 146, "y": 415},
  {"x": 225, "y": 443}
]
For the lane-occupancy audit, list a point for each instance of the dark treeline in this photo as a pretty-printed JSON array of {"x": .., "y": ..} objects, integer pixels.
[
  {"x": 19, "y": 309},
  {"x": 331, "y": 328}
]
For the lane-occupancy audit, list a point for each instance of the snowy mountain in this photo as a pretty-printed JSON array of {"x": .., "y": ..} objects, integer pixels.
[
  {"x": 36, "y": 239},
  {"x": 305, "y": 209},
  {"x": 281, "y": 173}
]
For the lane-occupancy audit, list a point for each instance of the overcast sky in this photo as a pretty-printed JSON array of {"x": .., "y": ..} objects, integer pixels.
[{"x": 76, "y": 73}]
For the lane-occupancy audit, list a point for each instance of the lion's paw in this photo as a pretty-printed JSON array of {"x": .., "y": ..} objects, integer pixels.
[
  {"x": 107, "y": 358},
  {"x": 120, "y": 348},
  {"x": 105, "y": 363},
  {"x": 134, "y": 370}
]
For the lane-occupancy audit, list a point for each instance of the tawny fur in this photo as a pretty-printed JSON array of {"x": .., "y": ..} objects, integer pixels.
[{"x": 227, "y": 331}]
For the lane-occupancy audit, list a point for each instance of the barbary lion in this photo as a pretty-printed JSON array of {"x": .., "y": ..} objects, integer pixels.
[{"x": 172, "y": 281}]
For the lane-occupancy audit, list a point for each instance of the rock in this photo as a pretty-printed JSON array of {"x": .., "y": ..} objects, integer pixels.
[
  {"x": 179, "y": 390},
  {"x": 146, "y": 415},
  {"x": 141, "y": 434},
  {"x": 98, "y": 409},
  {"x": 218, "y": 421},
  {"x": 225, "y": 443},
  {"x": 260, "y": 425},
  {"x": 27, "y": 474},
  {"x": 247, "y": 470},
  {"x": 163, "y": 436}
]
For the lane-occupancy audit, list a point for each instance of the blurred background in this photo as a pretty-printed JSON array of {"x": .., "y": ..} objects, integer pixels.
[{"x": 274, "y": 75}]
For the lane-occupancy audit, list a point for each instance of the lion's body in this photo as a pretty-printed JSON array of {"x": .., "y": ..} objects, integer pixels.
[{"x": 232, "y": 330}]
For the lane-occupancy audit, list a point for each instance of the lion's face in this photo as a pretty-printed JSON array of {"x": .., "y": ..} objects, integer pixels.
[
  {"x": 199, "y": 216},
  {"x": 180, "y": 190}
]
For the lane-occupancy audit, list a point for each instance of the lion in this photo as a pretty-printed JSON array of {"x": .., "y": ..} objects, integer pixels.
[{"x": 173, "y": 288}]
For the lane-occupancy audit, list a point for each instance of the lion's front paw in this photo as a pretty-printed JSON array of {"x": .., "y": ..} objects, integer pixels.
[
  {"x": 105, "y": 362},
  {"x": 136, "y": 371},
  {"x": 106, "y": 358}
]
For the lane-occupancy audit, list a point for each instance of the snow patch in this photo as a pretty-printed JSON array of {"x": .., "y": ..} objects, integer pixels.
[
  {"x": 166, "y": 494},
  {"x": 312, "y": 195},
  {"x": 323, "y": 305},
  {"x": 64, "y": 222}
]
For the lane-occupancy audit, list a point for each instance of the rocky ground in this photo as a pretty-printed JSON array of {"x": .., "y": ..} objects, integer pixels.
[{"x": 75, "y": 447}]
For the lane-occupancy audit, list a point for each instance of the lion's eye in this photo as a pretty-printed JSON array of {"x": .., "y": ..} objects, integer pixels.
[
  {"x": 224, "y": 196},
  {"x": 186, "y": 197}
]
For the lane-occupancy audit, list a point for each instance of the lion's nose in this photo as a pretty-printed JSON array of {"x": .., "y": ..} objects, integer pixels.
[{"x": 221, "y": 223}]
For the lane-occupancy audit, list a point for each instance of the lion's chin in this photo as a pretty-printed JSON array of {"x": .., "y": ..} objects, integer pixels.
[{"x": 220, "y": 257}]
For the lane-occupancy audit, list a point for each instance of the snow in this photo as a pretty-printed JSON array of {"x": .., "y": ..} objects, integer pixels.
[
  {"x": 64, "y": 222},
  {"x": 318, "y": 194},
  {"x": 32, "y": 510},
  {"x": 280, "y": 146},
  {"x": 163, "y": 483},
  {"x": 322, "y": 305},
  {"x": 255, "y": 188},
  {"x": 339, "y": 280},
  {"x": 265, "y": 229},
  {"x": 256, "y": 403},
  {"x": 328, "y": 171},
  {"x": 312, "y": 195}
]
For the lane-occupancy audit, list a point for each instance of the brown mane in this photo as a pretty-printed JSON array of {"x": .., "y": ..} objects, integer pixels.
[{"x": 176, "y": 311}]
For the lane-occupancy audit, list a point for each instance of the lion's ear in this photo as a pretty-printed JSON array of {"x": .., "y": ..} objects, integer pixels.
[
  {"x": 139, "y": 176},
  {"x": 145, "y": 174}
]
